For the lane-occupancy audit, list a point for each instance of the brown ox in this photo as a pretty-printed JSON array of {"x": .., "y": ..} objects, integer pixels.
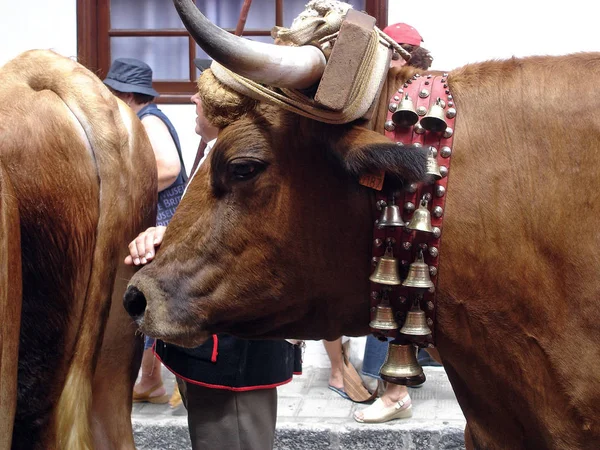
[
  {"x": 273, "y": 240},
  {"x": 70, "y": 156}
]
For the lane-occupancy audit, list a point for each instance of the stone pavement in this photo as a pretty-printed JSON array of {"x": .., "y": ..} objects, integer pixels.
[{"x": 312, "y": 417}]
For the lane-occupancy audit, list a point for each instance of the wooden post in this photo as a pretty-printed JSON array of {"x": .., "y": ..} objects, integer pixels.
[{"x": 239, "y": 29}]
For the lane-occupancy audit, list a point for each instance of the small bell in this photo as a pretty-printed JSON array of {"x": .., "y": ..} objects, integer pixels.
[
  {"x": 435, "y": 120},
  {"x": 386, "y": 271},
  {"x": 384, "y": 316},
  {"x": 433, "y": 168},
  {"x": 391, "y": 216},
  {"x": 405, "y": 115},
  {"x": 401, "y": 365},
  {"x": 418, "y": 274},
  {"x": 416, "y": 323},
  {"x": 421, "y": 219}
]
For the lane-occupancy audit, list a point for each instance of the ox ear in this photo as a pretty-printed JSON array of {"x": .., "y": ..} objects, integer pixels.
[{"x": 365, "y": 151}]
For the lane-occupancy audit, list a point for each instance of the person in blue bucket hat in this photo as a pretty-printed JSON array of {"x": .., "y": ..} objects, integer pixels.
[
  {"x": 131, "y": 80},
  {"x": 129, "y": 75}
]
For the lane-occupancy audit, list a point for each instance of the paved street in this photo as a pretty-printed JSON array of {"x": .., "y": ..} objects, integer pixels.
[{"x": 312, "y": 417}]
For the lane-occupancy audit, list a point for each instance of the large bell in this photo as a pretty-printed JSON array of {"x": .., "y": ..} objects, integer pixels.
[
  {"x": 405, "y": 114},
  {"x": 401, "y": 366},
  {"x": 435, "y": 120},
  {"x": 433, "y": 168},
  {"x": 384, "y": 319},
  {"x": 415, "y": 323},
  {"x": 386, "y": 271},
  {"x": 418, "y": 274},
  {"x": 421, "y": 219},
  {"x": 391, "y": 217}
]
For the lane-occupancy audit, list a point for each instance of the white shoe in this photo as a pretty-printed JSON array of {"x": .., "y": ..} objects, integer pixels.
[{"x": 379, "y": 413}]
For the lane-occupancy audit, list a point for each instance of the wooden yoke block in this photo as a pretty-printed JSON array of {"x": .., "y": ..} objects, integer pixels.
[{"x": 345, "y": 60}]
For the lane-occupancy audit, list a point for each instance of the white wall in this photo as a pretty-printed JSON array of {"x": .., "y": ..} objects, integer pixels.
[
  {"x": 465, "y": 31},
  {"x": 26, "y": 25},
  {"x": 184, "y": 120},
  {"x": 32, "y": 24}
]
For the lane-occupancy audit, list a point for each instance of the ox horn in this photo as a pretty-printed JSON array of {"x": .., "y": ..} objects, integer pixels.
[{"x": 274, "y": 65}]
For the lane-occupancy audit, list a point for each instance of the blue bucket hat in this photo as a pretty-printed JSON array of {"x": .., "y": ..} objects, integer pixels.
[{"x": 130, "y": 75}]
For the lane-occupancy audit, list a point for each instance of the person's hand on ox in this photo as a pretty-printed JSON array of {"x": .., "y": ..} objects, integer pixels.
[{"x": 141, "y": 249}]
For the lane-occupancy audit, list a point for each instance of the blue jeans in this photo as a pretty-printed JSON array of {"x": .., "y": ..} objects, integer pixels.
[
  {"x": 148, "y": 342},
  {"x": 375, "y": 353}
]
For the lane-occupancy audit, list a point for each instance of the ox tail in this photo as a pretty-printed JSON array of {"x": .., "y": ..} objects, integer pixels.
[
  {"x": 101, "y": 125},
  {"x": 10, "y": 306}
]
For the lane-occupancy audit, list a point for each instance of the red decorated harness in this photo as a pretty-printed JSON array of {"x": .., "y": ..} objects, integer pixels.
[{"x": 424, "y": 90}]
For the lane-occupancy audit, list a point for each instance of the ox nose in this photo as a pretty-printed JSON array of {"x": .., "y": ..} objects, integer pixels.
[{"x": 134, "y": 302}]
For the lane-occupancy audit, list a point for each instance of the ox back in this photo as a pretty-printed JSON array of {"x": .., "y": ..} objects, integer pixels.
[
  {"x": 518, "y": 311},
  {"x": 69, "y": 150}
]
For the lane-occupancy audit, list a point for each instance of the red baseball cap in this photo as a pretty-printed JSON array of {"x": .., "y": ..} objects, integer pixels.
[{"x": 403, "y": 33}]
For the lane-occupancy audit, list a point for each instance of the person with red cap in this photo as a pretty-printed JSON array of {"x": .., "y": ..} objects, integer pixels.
[
  {"x": 394, "y": 402},
  {"x": 410, "y": 40}
]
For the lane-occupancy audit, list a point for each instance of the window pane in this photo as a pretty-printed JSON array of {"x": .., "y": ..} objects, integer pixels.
[
  {"x": 292, "y": 8},
  {"x": 226, "y": 13},
  {"x": 156, "y": 14},
  {"x": 168, "y": 56},
  {"x": 144, "y": 14}
]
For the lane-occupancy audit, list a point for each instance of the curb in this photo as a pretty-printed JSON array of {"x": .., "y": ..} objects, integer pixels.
[{"x": 172, "y": 434}]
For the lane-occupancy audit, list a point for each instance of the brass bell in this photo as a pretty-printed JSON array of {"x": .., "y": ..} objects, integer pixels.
[
  {"x": 433, "y": 168},
  {"x": 401, "y": 365},
  {"x": 421, "y": 219},
  {"x": 384, "y": 318},
  {"x": 386, "y": 271},
  {"x": 391, "y": 216},
  {"x": 418, "y": 274},
  {"x": 405, "y": 114},
  {"x": 435, "y": 120},
  {"x": 415, "y": 323}
]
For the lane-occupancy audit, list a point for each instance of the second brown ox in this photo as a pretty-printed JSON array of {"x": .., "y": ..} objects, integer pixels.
[
  {"x": 273, "y": 240},
  {"x": 70, "y": 199}
]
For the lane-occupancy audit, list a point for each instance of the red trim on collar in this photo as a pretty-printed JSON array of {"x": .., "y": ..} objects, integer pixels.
[
  {"x": 218, "y": 386},
  {"x": 215, "y": 352}
]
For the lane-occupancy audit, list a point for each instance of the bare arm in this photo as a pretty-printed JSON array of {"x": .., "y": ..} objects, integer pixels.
[{"x": 165, "y": 152}]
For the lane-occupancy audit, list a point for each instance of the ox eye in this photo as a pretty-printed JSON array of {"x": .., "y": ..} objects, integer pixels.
[{"x": 245, "y": 169}]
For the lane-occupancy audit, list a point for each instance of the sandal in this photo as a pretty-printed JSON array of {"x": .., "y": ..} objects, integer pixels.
[
  {"x": 379, "y": 413},
  {"x": 340, "y": 391},
  {"x": 139, "y": 397},
  {"x": 175, "y": 399}
]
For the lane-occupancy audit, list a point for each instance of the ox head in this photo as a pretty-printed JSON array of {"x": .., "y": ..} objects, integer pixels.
[{"x": 273, "y": 237}]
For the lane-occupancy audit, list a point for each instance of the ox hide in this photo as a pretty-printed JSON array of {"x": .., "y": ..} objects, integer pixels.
[
  {"x": 273, "y": 239},
  {"x": 78, "y": 180}
]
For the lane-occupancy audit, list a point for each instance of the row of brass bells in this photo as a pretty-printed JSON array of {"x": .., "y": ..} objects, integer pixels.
[
  {"x": 391, "y": 216},
  {"x": 401, "y": 365},
  {"x": 435, "y": 119},
  {"x": 421, "y": 219},
  {"x": 406, "y": 115},
  {"x": 418, "y": 274},
  {"x": 386, "y": 271}
]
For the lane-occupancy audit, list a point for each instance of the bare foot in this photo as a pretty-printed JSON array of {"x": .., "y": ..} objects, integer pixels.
[{"x": 336, "y": 379}]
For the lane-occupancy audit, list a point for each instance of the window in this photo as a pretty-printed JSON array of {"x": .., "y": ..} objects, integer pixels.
[{"x": 151, "y": 30}]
